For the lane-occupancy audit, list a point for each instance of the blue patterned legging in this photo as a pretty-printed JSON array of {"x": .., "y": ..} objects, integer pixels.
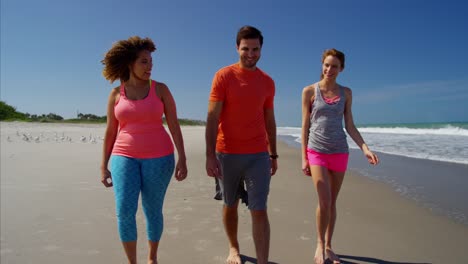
[{"x": 151, "y": 177}]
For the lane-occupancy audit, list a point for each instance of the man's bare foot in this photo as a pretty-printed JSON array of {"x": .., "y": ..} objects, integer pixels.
[
  {"x": 332, "y": 256},
  {"x": 234, "y": 257},
  {"x": 319, "y": 255}
]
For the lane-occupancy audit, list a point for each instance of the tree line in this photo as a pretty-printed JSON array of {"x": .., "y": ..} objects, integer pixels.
[{"x": 9, "y": 113}]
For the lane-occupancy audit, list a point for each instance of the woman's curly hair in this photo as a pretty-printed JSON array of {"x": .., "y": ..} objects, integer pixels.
[{"x": 122, "y": 54}]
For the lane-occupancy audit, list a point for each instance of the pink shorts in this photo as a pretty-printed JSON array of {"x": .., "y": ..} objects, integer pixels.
[{"x": 335, "y": 162}]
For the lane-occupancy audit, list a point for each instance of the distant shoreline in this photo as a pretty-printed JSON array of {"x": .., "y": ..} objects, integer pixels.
[{"x": 182, "y": 122}]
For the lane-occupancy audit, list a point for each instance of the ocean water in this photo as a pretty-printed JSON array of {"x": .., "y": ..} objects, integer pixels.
[
  {"x": 434, "y": 141},
  {"x": 426, "y": 163}
]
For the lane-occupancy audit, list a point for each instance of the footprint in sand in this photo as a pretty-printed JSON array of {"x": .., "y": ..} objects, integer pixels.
[
  {"x": 188, "y": 209},
  {"x": 215, "y": 229},
  {"x": 51, "y": 248},
  {"x": 85, "y": 222},
  {"x": 93, "y": 252},
  {"x": 5, "y": 251},
  {"x": 201, "y": 245},
  {"x": 219, "y": 259},
  {"x": 247, "y": 237},
  {"x": 205, "y": 221},
  {"x": 177, "y": 218},
  {"x": 304, "y": 237},
  {"x": 172, "y": 231}
]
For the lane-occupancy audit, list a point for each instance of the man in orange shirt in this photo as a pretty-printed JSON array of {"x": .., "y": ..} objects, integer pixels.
[{"x": 241, "y": 141}]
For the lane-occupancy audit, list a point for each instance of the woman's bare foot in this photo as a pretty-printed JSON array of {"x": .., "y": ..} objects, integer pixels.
[
  {"x": 319, "y": 255},
  {"x": 234, "y": 257},
  {"x": 332, "y": 256}
]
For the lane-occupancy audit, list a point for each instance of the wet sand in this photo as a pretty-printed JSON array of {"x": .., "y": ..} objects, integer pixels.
[{"x": 55, "y": 210}]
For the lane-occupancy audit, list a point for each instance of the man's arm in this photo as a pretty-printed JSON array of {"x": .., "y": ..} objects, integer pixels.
[
  {"x": 211, "y": 132},
  {"x": 270, "y": 125}
]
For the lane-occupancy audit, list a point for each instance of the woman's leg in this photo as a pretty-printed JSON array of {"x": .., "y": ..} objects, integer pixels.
[
  {"x": 126, "y": 180},
  {"x": 153, "y": 252},
  {"x": 336, "y": 180},
  {"x": 157, "y": 174},
  {"x": 322, "y": 185}
]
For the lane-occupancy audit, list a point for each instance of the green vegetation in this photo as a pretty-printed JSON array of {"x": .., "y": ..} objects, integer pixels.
[
  {"x": 190, "y": 122},
  {"x": 9, "y": 113}
]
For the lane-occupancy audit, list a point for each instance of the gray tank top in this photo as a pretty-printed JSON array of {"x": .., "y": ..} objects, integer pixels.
[{"x": 326, "y": 134}]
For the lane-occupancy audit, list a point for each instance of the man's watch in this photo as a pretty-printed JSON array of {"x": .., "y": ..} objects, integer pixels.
[{"x": 274, "y": 156}]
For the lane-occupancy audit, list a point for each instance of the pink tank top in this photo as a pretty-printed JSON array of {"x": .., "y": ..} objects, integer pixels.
[{"x": 141, "y": 132}]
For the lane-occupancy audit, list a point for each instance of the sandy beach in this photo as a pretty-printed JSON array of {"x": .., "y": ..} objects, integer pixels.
[{"x": 55, "y": 210}]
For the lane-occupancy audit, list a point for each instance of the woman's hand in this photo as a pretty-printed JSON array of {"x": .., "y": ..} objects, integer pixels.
[
  {"x": 106, "y": 178},
  {"x": 371, "y": 157},
  {"x": 181, "y": 170},
  {"x": 306, "y": 168}
]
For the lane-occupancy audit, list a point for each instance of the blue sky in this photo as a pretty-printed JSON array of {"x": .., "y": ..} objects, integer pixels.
[{"x": 407, "y": 61}]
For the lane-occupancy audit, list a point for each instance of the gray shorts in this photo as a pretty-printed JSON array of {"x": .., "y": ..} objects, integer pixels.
[{"x": 244, "y": 175}]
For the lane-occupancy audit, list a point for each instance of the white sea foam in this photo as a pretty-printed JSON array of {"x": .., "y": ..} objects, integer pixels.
[
  {"x": 448, "y": 131},
  {"x": 448, "y": 143}
]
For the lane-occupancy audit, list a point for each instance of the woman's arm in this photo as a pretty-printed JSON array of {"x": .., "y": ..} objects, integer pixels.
[
  {"x": 352, "y": 130},
  {"x": 307, "y": 99},
  {"x": 170, "y": 112},
  {"x": 109, "y": 137}
]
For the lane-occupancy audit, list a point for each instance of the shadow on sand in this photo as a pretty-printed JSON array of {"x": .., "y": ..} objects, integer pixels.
[
  {"x": 346, "y": 259},
  {"x": 249, "y": 260}
]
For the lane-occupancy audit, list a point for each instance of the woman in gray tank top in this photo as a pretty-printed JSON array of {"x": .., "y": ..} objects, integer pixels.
[{"x": 324, "y": 147}]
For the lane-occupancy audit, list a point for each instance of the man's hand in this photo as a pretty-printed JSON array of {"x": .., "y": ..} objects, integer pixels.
[
  {"x": 274, "y": 166},
  {"x": 213, "y": 167}
]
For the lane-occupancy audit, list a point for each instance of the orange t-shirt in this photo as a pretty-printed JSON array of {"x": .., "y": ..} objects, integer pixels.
[{"x": 245, "y": 94}]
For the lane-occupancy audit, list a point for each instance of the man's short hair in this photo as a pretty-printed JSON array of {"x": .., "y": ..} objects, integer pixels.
[{"x": 249, "y": 32}]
